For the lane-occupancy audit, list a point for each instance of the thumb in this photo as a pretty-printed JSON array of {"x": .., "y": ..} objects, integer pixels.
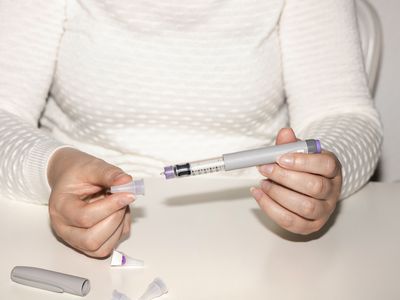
[
  {"x": 106, "y": 175},
  {"x": 285, "y": 135}
]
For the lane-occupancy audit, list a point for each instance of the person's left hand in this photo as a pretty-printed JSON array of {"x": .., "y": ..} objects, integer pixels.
[{"x": 302, "y": 190}]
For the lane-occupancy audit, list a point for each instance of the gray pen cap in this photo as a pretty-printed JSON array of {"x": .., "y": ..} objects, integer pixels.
[{"x": 50, "y": 280}]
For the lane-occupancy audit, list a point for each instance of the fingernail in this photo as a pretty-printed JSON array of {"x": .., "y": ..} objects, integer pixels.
[
  {"x": 126, "y": 199},
  {"x": 266, "y": 169},
  {"x": 286, "y": 159},
  {"x": 120, "y": 175},
  {"x": 265, "y": 184},
  {"x": 255, "y": 192}
]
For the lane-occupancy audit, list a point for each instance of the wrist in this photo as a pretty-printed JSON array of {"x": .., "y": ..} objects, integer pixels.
[{"x": 58, "y": 161}]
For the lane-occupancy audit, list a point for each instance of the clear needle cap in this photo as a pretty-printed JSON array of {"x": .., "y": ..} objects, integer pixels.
[
  {"x": 136, "y": 187},
  {"x": 155, "y": 289}
]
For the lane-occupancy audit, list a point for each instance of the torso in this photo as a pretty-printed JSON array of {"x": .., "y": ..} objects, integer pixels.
[{"x": 143, "y": 83}]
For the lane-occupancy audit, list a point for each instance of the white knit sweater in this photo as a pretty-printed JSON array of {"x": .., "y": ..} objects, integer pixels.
[{"x": 143, "y": 83}]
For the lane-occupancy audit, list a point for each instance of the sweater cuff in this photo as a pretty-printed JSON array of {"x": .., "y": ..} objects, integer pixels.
[{"x": 36, "y": 168}]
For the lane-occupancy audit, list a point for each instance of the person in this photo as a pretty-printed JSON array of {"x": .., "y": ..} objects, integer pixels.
[{"x": 94, "y": 92}]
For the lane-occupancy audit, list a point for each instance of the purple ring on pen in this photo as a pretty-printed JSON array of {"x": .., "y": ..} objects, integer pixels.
[
  {"x": 318, "y": 145},
  {"x": 169, "y": 172}
]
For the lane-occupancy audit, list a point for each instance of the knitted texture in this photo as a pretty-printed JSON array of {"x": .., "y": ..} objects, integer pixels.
[{"x": 142, "y": 84}]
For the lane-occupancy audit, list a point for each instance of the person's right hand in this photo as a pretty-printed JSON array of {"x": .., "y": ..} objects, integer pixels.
[{"x": 81, "y": 213}]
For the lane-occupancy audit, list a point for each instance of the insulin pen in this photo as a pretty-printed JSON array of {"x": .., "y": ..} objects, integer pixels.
[{"x": 239, "y": 160}]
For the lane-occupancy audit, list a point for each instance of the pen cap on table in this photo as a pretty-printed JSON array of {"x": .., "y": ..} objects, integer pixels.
[{"x": 50, "y": 280}]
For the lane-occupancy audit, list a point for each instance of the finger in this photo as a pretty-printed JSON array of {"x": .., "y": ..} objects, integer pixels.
[
  {"x": 107, "y": 248},
  {"x": 127, "y": 224},
  {"x": 283, "y": 217},
  {"x": 109, "y": 245},
  {"x": 92, "y": 239},
  {"x": 325, "y": 164},
  {"x": 315, "y": 186},
  {"x": 304, "y": 206},
  {"x": 104, "y": 174},
  {"x": 285, "y": 135},
  {"x": 78, "y": 213}
]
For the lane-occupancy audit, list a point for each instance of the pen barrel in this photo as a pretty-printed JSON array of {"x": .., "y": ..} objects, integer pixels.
[
  {"x": 267, "y": 155},
  {"x": 206, "y": 166},
  {"x": 50, "y": 280}
]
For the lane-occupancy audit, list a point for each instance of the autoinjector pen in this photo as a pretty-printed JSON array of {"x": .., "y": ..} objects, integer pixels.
[{"x": 239, "y": 160}]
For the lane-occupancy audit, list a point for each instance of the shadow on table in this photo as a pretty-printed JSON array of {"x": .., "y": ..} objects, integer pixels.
[
  {"x": 137, "y": 213},
  {"x": 243, "y": 193},
  {"x": 240, "y": 193},
  {"x": 279, "y": 231}
]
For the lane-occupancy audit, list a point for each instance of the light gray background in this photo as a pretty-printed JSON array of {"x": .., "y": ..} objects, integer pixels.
[{"x": 387, "y": 94}]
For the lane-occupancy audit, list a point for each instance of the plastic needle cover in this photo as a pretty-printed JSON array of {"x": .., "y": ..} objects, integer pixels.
[
  {"x": 119, "y": 296},
  {"x": 155, "y": 289},
  {"x": 136, "y": 187},
  {"x": 120, "y": 259}
]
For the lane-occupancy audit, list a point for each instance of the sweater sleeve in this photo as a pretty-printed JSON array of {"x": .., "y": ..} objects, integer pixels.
[
  {"x": 30, "y": 33},
  {"x": 326, "y": 85}
]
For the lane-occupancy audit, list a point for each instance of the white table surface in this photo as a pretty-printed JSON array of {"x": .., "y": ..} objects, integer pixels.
[{"x": 207, "y": 239}]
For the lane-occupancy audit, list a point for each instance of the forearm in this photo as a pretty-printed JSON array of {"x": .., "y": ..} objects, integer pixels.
[
  {"x": 356, "y": 140},
  {"x": 30, "y": 34},
  {"x": 24, "y": 155}
]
